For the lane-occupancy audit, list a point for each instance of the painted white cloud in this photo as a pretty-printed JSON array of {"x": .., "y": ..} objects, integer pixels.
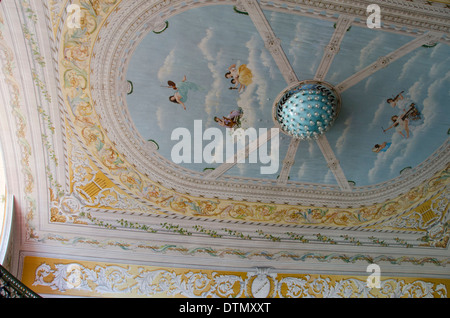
[
  {"x": 384, "y": 109},
  {"x": 340, "y": 143},
  {"x": 431, "y": 118},
  {"x": 416, "y": 90},
  {"x": 411, "y": 65},
  {"x": 166, "y": 69},
  {"x": 254, "y": 96},
  {"x": 302, "y": 171},
  {"x": 435, "y": 68},
  {"x": 329, "y": 177},
  {"x": 274, "y": 17},
  {"x": 332, "y": 76},
  {"x": 203, "y": 45},
  {"x": 214, "y": 95},
  {"x": 402, "y": 148},
  {"x": 159, "y": 117},
  {"x": 365, "y": 58},
  {"x": 259, "y": 87},
  {"x": 377, "y": 115},
  {"x": 384, "y": 158},
  {"x": 312, "y": 149},
  {"x": 259, "y": 78},
  {"x": 296, "y": 43},
  {"x": 368, "y": 85},
  {"x": 269, "y": 63},
  {"x": 246, "y": 102},
  {"x": 316, "y": 62},
  {"x": 436, "y": 49}
]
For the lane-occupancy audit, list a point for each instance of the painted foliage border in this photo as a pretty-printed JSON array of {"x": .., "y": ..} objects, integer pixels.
[
  {"x": 84, "y": 278},
  {"x": 76, "y": 46}
]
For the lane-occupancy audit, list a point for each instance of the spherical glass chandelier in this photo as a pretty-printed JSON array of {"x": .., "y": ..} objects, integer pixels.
[{"x": 307, "y": 109}]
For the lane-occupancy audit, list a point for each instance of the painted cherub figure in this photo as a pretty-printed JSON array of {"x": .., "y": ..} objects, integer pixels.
[
  {"x": 232, "y": 120},
  {"x": 393, "y": 101},
  {"x": 381, "y": 148},
  {"x": 400, "y": 123},
  {"x": 182, "y": 89},
  {"x": 241, "y": 77}
]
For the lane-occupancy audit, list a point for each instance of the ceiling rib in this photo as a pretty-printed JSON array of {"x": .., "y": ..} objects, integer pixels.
[
  {"x": 242, "y": 153},
  {"x": 384, "y": 61},
  {"x": 271, "y": 42},
  {"x": 342, "y": 25},
  {"x": 333, "y": 163},
  {"x": 288, "y": 161}
]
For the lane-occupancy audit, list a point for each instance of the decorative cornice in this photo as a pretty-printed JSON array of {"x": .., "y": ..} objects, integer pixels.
[
  {"x": 413, "y": 18},
  {"x": 84, "y": 278},
  {"x": 236, "y": 188},
  {"x": 109, "y": 72}
]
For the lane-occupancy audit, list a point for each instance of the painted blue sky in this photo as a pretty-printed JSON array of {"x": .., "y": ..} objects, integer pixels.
[{"x": 202, "y": 43}]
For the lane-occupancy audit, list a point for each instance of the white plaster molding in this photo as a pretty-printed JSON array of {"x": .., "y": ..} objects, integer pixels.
[
  {"x": 118, "y": 41},
  {"x": 333, "y": 163},
  {"x": 243, "y": 153},
  {"x": 262, "y": 283},
  {"x": 288, "y": 161},
  {"x": 342, "y": 25},
  {"x": 294, "y": 193},
  {"x": 384, "y": 61},
  {"x": 410, "y": 18},
  {"x": 271, "y": 42}
]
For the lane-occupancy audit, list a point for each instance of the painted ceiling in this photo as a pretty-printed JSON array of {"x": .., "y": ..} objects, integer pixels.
[
  {"x": 202, "y": 43},
  {"x": 87, "y": 138}
]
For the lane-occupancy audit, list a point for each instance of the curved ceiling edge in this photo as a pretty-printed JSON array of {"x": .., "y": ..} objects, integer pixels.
[
  {"x": 103, "y": 145},
  {"x": 132, "y": 29}
]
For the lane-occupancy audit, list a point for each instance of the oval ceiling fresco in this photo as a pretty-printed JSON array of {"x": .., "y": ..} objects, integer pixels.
[{"x": 208, "y": 67}]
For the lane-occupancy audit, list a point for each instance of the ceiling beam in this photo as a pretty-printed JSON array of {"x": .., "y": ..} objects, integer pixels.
[
  {"x": 288, "y": 161},
  {"x": 333, "y": 163},
  {"x": 242, "y": 153},
  {"x": 271, "y": 42},
  {"x": 342, "y": 25},
  {"x": 384, "y": 61}
]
